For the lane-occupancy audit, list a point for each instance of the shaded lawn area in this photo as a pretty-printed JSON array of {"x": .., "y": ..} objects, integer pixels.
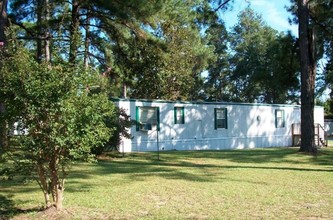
[{"x": 276, "y": 183}]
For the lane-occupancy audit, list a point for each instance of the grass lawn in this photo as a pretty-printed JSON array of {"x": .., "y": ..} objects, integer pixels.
[{"x": 276, "y": 183}]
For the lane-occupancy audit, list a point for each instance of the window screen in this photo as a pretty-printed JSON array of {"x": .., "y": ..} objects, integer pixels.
[
  {"x": 279, "y": 119},
  {"x": 147, "y": 118}
]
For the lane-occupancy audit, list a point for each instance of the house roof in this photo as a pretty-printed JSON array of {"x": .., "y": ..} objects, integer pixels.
[{"x": 205, "y": 102}]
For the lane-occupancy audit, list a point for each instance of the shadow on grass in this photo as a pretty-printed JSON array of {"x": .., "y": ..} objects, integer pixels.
[
  {"x": 8, "y": 209},
  {"x": 198, "y": 166},
  {"x": 201, "y": 166},
  {"x": 257, "y": 156}
]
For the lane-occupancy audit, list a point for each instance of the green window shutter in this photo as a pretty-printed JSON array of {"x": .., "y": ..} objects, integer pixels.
[
  {"x": 276, "y": 120},
  {"x": 226, "y": 118},
  {"x": 158, "y": 117},
  {"x": 137, "y": 118},
  {"x": 183, "y": 115},
  {"x": 215, "y": 118},
  {"x": 283, "y": 119},
  {"x": 175, "y": 114}
]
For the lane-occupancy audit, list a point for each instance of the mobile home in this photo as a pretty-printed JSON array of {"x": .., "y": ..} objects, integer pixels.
[{"x": 177, "y": 125}]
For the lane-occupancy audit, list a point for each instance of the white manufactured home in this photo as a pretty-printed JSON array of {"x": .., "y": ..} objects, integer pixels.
[{"x": 177, "y": 125}]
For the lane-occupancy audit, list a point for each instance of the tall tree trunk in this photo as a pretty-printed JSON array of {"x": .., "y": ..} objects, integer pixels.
[
  {"x": 87, "y": 41},
  {"x": 59, "y": 196},
  {"x": 40, "y": 6},
  {"x": 56, "y": 185},
  {"x": 3, "y": 20},
  {"x": 47, "y": 32},
  {"x": 44, "y": 184},
  {"x": 74, "y": 32},
  {"x": 3, "y": 25},
  {"x": 43, "y": 39},
  {"x": 308, "y": 64},
  {"x": 124, "y": 90}
]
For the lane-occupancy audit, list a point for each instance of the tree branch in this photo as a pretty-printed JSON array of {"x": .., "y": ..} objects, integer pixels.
[
  {"x": 24, "y": 28},
  {"x": 222, "y": 5}
]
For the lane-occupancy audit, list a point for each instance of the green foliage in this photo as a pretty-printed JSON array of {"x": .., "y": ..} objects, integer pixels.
[
  {"x": 120, "y": 124},
  {"x": 168, "y": 62},
  {"x": 187, "y": 56},
  {"x": 63, "y": 119},
  {"x": 217, "y": 85},
  {"x": 139, "y": 68},
  {"x": 150, "y": 49},
  {"x": 328, "y": 108}
]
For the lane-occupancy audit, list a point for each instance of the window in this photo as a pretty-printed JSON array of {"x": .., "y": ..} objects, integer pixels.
[
  {"x": 279, "y": 119},
  {"x": 220, "y": 117},
  {"x": 147, "y": 118},
  {"x": 179, "y": 117}
]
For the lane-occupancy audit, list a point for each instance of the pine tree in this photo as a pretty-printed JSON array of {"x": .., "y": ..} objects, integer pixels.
[{"x": 263, "y": 65}]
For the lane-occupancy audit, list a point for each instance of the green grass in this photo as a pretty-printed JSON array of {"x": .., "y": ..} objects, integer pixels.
[{"x": 277, "y": 183}]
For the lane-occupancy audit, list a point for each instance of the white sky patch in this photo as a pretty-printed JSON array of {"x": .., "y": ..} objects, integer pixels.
[{"x": 274, "y": 14}]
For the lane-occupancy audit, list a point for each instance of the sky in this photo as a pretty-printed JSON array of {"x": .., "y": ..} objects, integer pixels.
[{"x": 273, "y": 13}]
